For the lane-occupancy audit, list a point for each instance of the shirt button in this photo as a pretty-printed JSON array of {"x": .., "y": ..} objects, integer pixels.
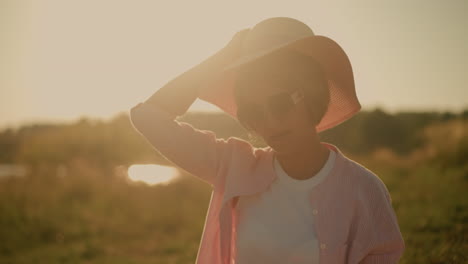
[
  {"x": 323, "y": 246},
  {"x": 315, "y": 212}
]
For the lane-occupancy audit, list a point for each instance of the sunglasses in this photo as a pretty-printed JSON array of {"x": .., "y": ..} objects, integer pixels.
[{"x": 278, "y": 105}]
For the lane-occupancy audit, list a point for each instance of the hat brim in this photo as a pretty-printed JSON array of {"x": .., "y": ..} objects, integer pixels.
[{"x": 334, "y": 61}]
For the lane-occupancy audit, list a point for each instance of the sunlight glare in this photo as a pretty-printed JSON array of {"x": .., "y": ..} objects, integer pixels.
[{"x": 152, "y": 174}]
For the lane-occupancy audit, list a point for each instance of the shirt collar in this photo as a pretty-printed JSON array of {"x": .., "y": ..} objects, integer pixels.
[{"x": 285, "y": 180}]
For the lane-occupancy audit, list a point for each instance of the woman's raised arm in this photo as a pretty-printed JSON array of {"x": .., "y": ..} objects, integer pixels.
[
  {"x": 177, "y": 95},
  {"x": 199, "y": 152}
]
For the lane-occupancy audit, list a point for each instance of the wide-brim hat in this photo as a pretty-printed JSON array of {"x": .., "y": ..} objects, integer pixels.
[{"x": 277, "y": 33}]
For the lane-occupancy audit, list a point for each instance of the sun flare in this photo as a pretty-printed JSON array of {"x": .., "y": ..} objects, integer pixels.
[{"x": 152, "y": 174}]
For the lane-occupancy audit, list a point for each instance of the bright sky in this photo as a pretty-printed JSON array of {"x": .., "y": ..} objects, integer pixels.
[{"x": 60, "y": 60}]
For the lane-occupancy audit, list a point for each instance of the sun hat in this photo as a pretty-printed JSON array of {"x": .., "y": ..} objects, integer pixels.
[{"x": 277, "y": 33}]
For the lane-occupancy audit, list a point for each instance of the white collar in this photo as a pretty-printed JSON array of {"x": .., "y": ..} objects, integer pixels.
[{"x": 286, "y": 180}]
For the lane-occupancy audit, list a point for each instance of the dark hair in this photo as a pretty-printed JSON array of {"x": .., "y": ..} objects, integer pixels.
[{"x": 287, "y": 67}]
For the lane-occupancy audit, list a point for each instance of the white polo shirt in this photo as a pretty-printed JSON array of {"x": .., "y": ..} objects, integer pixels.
[{"x": 276, "y": 226}]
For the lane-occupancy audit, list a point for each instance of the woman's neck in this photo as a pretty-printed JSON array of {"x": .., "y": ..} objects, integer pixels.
[{"x": 305, "y": 162}]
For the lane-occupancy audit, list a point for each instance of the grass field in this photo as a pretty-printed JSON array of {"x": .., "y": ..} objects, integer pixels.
[{"x": 93, "y": 214}]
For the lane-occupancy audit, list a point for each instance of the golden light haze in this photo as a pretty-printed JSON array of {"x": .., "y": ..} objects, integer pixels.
[{"x": 60, "y": 60}]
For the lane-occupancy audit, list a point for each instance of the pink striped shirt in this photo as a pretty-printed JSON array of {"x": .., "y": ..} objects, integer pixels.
[{"x": 355, "y": 222}]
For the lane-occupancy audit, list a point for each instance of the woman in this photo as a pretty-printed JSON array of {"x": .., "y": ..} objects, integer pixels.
[{"x": 299, "y": 200}]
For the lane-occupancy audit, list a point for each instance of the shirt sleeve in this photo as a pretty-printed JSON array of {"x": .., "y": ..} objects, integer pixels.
[
  {"x": 199, "y": 152},
  {"x": 379, "y": 234}
]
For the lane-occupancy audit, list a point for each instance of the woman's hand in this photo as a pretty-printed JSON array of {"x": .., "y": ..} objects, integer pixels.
[{"x": 232, "y": 50}]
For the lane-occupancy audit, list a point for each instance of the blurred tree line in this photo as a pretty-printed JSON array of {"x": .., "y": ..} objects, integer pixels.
[{"x": 116, "y": 142}]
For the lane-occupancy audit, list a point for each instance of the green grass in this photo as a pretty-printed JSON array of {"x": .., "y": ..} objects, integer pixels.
[
  {"x": 431, "y": 203},
  {"x": 93, "y": 217}
]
